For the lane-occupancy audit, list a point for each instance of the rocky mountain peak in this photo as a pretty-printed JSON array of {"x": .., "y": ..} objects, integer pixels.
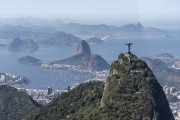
[
  {"x": 85, "y": 60},
  {"x": 83, "y": 48}
]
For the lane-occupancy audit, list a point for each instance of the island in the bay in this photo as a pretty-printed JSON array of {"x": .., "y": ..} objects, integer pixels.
[
  {"x": 84, "y": 60},
  {"x": 22, "y": 44}
]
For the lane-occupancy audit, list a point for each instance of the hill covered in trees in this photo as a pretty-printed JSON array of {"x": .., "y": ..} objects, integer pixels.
[
  {"x": 15, "y": 104},
  {"x": 131, "y": 92}
]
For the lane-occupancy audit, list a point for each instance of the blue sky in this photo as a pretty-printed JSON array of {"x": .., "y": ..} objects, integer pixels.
[{"x": 94, "y": 11}]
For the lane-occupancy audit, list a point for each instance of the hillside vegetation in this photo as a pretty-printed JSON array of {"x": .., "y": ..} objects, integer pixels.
[
  {"x": 14, "y": 104},
  {"x": 131, "y": 92}
]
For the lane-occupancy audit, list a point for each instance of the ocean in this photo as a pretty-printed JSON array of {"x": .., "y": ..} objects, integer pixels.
[{"x": 60, "y": 79}]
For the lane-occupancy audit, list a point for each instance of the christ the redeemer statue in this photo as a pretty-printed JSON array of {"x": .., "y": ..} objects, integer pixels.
[{"x": 129, "y": 47}]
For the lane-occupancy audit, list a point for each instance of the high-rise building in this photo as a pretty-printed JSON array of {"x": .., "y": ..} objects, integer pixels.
[
  {"x": 68, "y": 88},
  {"x": 49, "y": 90}
]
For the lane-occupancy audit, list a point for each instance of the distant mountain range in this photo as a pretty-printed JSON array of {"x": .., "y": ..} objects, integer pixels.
[
  {"x": 164, "y": 56},
  {"x": 94, "y": 40},
  {"x": 41, "y": 29},
  {"x": 59, "y": 39},
  {"x": 134, "y": 30},
  {"x": 164, "y": 72}
]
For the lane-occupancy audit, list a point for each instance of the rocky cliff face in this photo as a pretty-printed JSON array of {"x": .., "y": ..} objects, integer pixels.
[
  {"x": 83, "y": 48},
  {"x": 131, "y": 92},
  {"x": 14, "y": 104},
  {"x": 85, "y": 60}
]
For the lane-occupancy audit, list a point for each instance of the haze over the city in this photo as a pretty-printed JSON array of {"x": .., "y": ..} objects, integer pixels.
[{"x": 116, "y": 12}]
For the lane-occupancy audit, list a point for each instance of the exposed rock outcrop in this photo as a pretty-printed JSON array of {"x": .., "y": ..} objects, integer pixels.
[
  {"x": 85, "y": 60},
  {"x": 83, "y": 48}
]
